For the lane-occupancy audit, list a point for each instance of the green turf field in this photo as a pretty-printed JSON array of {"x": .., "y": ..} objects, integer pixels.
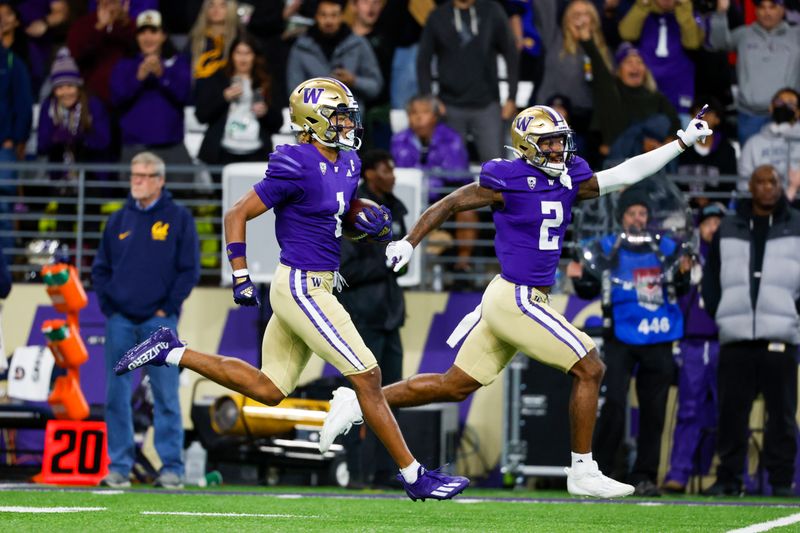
[{"x": 312, "y": 509}]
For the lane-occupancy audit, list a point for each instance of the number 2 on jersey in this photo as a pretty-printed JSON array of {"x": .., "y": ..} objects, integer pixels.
[
  {"x": 546, "y": 241},
  {"x": 339, "y": 213}
]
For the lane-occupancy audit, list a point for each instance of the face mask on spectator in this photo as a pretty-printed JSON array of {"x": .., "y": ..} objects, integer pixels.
[{"x": 783, "y": 113}]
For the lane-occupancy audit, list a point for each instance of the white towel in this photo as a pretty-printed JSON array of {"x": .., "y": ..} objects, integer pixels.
[{"x": 464, "y": 327}]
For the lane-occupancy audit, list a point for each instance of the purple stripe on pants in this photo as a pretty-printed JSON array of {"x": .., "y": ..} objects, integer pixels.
[{"x": 517, "y": 293}]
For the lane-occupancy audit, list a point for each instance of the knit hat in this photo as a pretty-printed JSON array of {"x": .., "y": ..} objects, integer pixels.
[
  {"x": 65, "y": 70},
  {"x": 712, "y": 210},
  {"x": 629, "y": 197},
  {"x": 623, "y": 51}
]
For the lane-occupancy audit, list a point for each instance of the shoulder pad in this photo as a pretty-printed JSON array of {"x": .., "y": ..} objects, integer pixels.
[{"x": 286, "y": 162}]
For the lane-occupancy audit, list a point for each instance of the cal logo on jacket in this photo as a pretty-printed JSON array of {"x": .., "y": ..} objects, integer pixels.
[{"x": 159, "y": 231}]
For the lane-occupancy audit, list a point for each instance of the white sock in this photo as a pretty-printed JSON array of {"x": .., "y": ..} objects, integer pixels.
[
  {"x": 174, "y": 356},
  {"x": 581, "y": 459},
  {"x": 411, "y": 472}
]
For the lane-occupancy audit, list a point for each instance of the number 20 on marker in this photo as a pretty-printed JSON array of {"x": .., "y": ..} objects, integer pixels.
[{"x": 75, "y": 453}]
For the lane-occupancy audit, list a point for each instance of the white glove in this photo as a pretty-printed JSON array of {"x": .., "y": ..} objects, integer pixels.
[
  {"x": 696, "y": 130},
  {"x": 398, "y": 253}
]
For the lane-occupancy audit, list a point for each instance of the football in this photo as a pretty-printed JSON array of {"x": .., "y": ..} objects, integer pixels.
[{"x": 349, "y": 229}]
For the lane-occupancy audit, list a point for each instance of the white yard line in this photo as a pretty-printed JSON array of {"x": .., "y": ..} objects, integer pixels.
[
  {"x": 772, "y": 524},
  {"x": 227, "y": 515},
  {"x": 37, "y": 510}
]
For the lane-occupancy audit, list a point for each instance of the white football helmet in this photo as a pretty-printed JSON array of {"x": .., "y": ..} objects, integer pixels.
[
  {"x": 534, "y": 124},
  {"x": 322, "y": 107}
]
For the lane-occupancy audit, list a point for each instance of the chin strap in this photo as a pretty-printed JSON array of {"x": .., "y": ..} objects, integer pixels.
[{"x": 565, "y": 178}]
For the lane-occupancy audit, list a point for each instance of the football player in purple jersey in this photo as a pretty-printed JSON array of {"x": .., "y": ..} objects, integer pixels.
[
  {"x": 310, "y": 187},
  {"x": 531, "y": 198}
]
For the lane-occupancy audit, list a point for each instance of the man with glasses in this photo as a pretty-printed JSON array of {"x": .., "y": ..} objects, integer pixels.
[{"x": 146, "y": 266}]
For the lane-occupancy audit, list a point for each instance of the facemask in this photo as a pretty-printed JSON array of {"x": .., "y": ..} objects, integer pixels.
[{"x": 783, "y": 113}]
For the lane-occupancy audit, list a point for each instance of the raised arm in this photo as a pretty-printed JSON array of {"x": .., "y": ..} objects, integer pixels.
[
  {"x": 642, "y": 166},
  {"x": 467, "y": 198}
]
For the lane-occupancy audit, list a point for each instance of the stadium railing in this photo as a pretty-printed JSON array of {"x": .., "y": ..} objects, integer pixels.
[{"x": 39, "y": 213}]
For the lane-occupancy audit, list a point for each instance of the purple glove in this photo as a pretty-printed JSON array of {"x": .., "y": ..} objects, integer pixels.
[
  {"x": 378, "y": 223},
  {"x": 244, "y": 292}
]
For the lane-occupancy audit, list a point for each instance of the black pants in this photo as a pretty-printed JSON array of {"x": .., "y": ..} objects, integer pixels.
[
  {"x": 654, "y": 375},
  {"x": 368, "y": 460},
  {"x": 746, "y": 369}
]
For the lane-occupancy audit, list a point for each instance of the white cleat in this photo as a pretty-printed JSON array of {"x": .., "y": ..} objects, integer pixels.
[
  {"x": 344, "y": 412},
  {"x": 587, "y": 480}
]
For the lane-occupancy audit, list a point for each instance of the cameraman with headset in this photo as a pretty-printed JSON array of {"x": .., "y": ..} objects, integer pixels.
[{"x": 641, "y": 320}]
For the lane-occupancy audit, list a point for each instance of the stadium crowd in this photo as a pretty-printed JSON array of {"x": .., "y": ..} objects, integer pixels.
[{"x": 113, "y": 78}]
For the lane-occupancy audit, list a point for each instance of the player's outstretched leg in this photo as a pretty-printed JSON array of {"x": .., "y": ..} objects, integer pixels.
[
  {"x": 163, "y": 347},
  {"x": 418, "y": 482},
  {"x": 584, "y": 477},
  {"x": 452, "y": 386}
]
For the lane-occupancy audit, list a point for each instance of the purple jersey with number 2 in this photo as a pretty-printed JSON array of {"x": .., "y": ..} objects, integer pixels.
[
  {"x": 530, "y": 227},
  {"x": 309, "y": 195}
]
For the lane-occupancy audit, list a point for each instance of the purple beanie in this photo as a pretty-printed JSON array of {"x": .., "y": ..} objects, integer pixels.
[{"x": 65, "y": 70}]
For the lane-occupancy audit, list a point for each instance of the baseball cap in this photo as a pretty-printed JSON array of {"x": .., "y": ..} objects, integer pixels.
[
  {"x": 712, "y": 210},
  {"x": 148, "y": 19}
]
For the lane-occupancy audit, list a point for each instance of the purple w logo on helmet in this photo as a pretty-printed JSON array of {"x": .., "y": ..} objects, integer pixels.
[
  {"x": 522, "y": 123},
  {"x": 312, "y": 94}
]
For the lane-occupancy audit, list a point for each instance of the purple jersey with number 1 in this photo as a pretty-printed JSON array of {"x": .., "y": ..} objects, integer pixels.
[
  {"x": 309, "y": 195},
  {"x": 530, "y": 227}
]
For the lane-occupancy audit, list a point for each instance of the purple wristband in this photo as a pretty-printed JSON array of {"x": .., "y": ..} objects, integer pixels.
[{"x": 236, "y": 249}]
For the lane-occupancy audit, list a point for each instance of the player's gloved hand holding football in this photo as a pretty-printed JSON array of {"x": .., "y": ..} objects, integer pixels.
[
  {"x": 244, "y": 291},
  {"x": 378, "y": 223},
  {"x": 398, "y": 254},
  {"x": 696, "y": 130}
]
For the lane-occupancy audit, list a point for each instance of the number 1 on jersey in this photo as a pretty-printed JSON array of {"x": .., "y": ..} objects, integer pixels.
[
  {"x": 546, "y": 241},
  {"x": 338, "y": 215}
]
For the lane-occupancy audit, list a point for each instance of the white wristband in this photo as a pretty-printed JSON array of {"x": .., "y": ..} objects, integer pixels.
[{"x": 242, "y": 272}]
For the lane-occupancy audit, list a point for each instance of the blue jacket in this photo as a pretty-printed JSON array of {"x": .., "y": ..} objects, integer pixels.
[
  {"x": 147, "y": 260},
  {"x": 16, "y": 99},
  {"x": 642, "y": 308}
]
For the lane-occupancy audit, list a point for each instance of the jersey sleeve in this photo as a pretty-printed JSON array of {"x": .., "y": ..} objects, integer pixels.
[
  {"x": 281, "y": 181},
  {"x": 579, "y": 170},
  {"x": 493, "y": 175}
]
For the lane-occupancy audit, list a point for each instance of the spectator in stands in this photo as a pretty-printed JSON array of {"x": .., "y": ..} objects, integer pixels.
[
  {"x": 406, "y": 20},
  {"x": 145, "y": 267},
  {"x": 16, "y": 103},
  {"x": 777, "y": 144},
  {"x": 663, "y": 31},
  {"x": 135, "y": 7},
  {"x": 100, "y": 39},
  {"x": 466, "y": 36},
  {"x": 149, "y": 91},
  {"x": 530, "y": 45},
  {"x": 267, "y": 24},
  {"x": 74, "y": 126},
  {"x": 697, "y": 360},
  {"x": 628, "y": 110},
  {"x": 437, "y": 149},
  {"x": 708, "y": 159},
  {"x": 751, "y": 283},
  {"x": 642, "y": 320},
  {"x": 46, "y": 25},
  {"x": 369, "y": 24},
  {"x": 568, "y": 71},
  {"x": 211, "y": 37},
  {"x": 768, "y": 58},
  {"x": 12, "y": 31},
  {"x": 330, "y": 48},
  {"x": 236, "y": 104},
  {"x": 375, "y": 302}
]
